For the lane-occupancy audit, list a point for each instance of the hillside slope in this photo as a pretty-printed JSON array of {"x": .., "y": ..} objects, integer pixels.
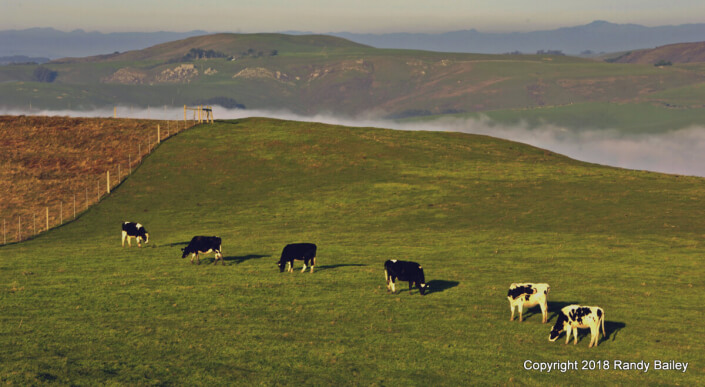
[
  {"x": 478, "y": 213},
  {"x": 318, "y": 74},
  {"x": 674, "y": 53}
]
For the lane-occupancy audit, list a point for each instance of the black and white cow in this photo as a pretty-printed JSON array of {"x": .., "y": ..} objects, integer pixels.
[
  {"x": 134, "y": 230},
  {"x": 404, "y": 271},
  {"x": 573, "y": 317},
  {"x": 204, "y": 245},
  {"x": 526, "y": 296},
  {"x": 297, "y": 251}
]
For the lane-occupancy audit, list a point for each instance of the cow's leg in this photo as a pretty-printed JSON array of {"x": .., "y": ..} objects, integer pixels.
[
  {"x": 124, "y": 234},
  {"x": 393, "y": 288},
  {"x": 198, "y": 259},
  {"x": 192, "y": 255},
  {"x": 313, "y": 263},
  {"x": 304, "y": 268},
  {"x": 568, "y": 332},
  {"x": 411, "y": 286},
  {"x": 520, "y": 308},
  {"x": 575, "y": 334},
  {"x": 511, "y": 307},
  {"x": 544, "y": 312},
  {"x": 594, "y": 335},
  {"x": 139, "y": 240}
]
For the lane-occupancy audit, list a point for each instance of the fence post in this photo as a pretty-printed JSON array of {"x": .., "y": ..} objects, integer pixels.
[
  {"x": 4, "y": 236},
  {"x": 119, "y": 174},
  {"x": 19, "y": 228},
  {"x": 61, "y": 212},
  {"x": 159, "y": 138},
  {"x": 47, "y": 218},
  {"x": 107, "y": 180}
]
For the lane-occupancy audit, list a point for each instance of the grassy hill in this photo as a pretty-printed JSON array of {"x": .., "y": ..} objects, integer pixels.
[
  {"x": 673, "y": 53},
  {"x": 314, "y": 74},
  {"x": 479, "y": 213}
]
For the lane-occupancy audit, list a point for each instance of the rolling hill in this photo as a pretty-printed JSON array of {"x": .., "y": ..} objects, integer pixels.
[
  {"x": 672, "y": 53},
  {"x": 321, "y": 74},
  {"x": 479, "y": 213}
]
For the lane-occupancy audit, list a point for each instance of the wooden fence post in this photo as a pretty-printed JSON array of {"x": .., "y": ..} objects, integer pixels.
[
  {"x": 61, "y": 212},
  {"x": 107, "y": 180},
  {"x": 119, "y": 174},
  {"x": 159, "y": 138}
]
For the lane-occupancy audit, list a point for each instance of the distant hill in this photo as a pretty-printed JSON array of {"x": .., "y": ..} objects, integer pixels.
[
  {"x": 595, "y": 37},
  {"x": 51, "y": 43},
  {"x": 672, "y": 53},
  {"x": 312, "y": 74},
  {"x": 226, "y": 45},
  {"x": 598, "y": 36},
  {"x": 18, "y": 59}
]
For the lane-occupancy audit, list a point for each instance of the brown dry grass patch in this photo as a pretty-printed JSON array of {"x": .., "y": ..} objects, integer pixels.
[{"x": 48, "y": 162}]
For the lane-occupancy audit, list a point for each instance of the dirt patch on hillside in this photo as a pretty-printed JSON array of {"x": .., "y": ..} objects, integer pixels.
[
  {"x": 47, "y": 161},
  {"x": 126, "y": 76}
]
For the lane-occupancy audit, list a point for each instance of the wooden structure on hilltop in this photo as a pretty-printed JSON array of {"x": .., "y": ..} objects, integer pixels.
[{"x": 200, "y": 113}]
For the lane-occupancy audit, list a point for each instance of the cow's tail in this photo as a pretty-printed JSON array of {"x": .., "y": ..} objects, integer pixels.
[{"x": 604, "y": 334}]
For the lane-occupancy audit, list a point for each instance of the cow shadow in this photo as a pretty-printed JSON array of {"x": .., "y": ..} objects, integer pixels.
[
  {"x": 329, "y": 267},
  {"x": 611, "y": 329},
  {"x": 240, "y": 259},
  {"x": 437, "y": 286},
  {"x": 177, "y": 244}
]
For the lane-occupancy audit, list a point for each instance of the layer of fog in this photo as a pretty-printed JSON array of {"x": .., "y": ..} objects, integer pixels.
[{"x": 676, "y": 152}]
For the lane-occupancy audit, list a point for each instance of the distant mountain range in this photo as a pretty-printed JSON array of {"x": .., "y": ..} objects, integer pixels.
[
  {"x": 596, "y": 37},
  {"x": 51, "y": 43}
]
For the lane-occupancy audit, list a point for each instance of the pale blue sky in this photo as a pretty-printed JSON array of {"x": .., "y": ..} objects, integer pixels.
[{"x": 323, "y": 16}]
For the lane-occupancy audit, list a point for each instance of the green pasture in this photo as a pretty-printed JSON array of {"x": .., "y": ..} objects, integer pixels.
[{"x": 477, "y": 212}]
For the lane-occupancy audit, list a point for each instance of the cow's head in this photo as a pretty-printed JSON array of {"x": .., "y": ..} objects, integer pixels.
[
  {"x": 558, "y": 327},
  {"x": 422, "y": 288},
  {"x": 184, "y": 253},
  {"x": 281, "y": 265},
  {"x": 146, "y": 237}
]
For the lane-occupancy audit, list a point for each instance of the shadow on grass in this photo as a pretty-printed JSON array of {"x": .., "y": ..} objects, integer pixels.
[
  {"x": 611, "y": 329},
  {"x": 177, "y": 244},
  {"x": 329, "y": 267},
  {"x": 437, "y": 286},
  {"x": 241, "y": 259}
]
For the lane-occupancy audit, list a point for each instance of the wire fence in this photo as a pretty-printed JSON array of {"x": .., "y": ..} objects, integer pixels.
[{"x": 26, "y": 224}]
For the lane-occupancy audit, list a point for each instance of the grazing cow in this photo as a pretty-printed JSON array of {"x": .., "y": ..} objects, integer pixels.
[
  {"x": 404, "y": 271},
  {"x": 526, "y": 296},
  {"x": 302, "y": 251},
  {"x": 573, "y": 317},
  {"x": 204, "y": 245},
  {"x": 134, "y": 230}
]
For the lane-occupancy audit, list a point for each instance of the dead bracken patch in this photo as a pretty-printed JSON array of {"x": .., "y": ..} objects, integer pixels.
[{"x": 49, "y": 161}]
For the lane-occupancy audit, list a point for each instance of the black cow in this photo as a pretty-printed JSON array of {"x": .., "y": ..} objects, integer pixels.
[
  {"x": 404, "y": 271},
  {"x": 134, "y": 230},
  {"x": 302, "y": 251},
  {"x": 204, "y": 245}
]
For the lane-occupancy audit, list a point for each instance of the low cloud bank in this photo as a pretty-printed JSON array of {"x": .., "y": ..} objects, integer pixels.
[{"x": 677, "y": 152}]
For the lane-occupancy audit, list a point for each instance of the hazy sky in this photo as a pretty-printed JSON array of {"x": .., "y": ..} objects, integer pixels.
[{"x": 323, "y": 16}]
